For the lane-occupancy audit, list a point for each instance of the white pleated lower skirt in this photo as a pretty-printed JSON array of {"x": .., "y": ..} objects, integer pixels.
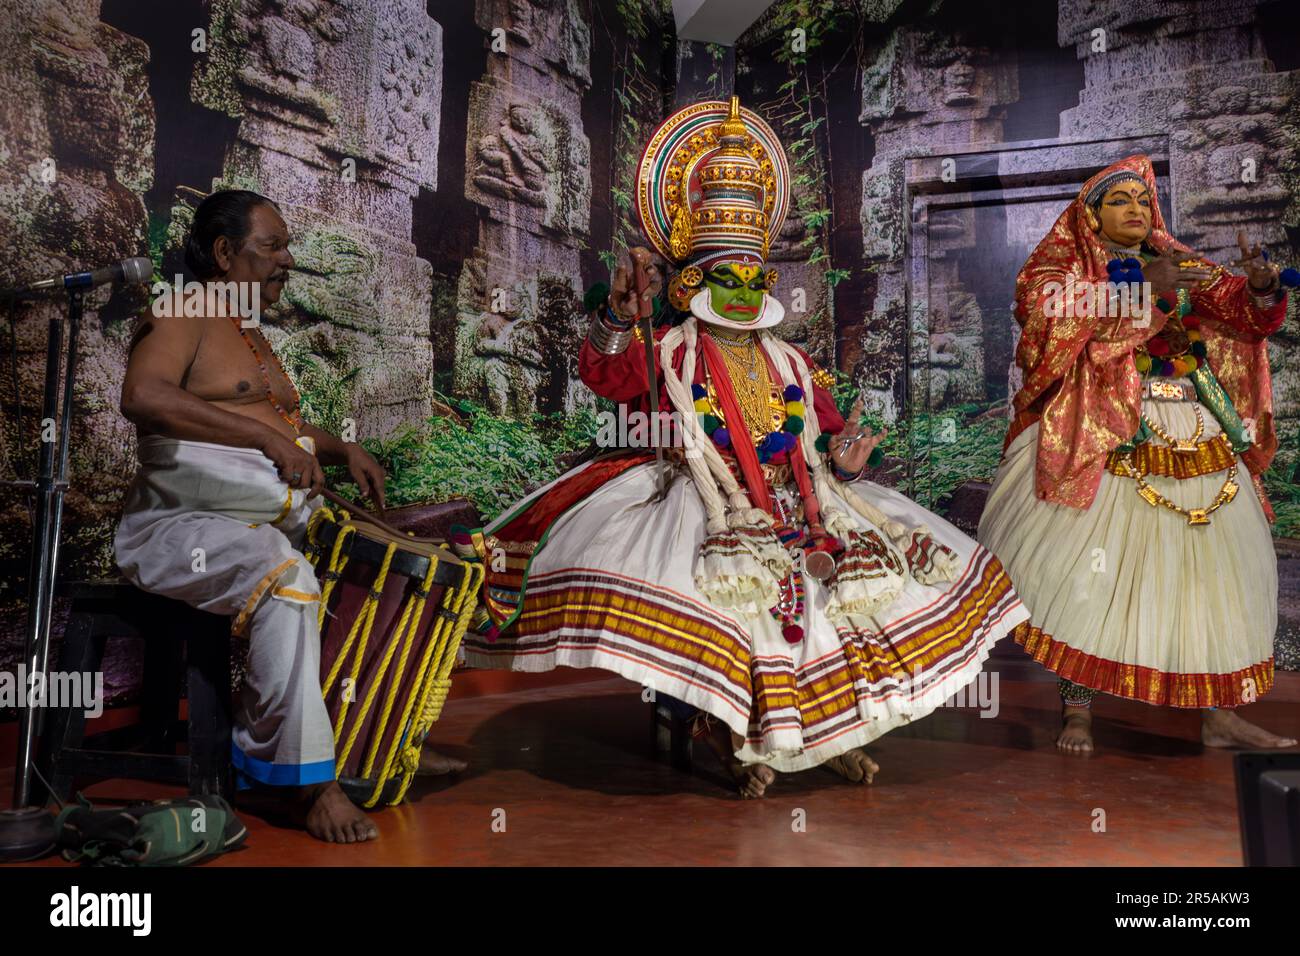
[
  {"x": 611, "y": 586},
  {"x": 1128, "y": 598}
]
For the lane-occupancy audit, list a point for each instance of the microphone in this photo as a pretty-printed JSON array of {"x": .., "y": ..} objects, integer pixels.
[{"x": 138, "y": 269}]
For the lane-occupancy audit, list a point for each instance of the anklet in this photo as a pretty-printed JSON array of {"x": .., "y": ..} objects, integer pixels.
[{"x": 1075, "y": 695}]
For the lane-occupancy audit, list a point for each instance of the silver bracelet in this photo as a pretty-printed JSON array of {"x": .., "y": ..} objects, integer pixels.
[
  {"x": 843, "y": 476},
  {"x": 607, "y": 340},
  {"x": 1266, "y": 300}
]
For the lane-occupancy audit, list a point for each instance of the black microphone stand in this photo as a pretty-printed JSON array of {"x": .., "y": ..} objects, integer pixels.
[{"x": 24, "y": 821}]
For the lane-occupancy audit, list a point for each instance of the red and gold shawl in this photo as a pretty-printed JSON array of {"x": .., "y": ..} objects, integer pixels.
[{"x": 1081, "y": 383}]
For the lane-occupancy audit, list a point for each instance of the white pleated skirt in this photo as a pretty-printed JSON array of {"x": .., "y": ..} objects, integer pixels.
[
  {"x": 611, "y": 586},
  {"x": 1128, "y": 598}
]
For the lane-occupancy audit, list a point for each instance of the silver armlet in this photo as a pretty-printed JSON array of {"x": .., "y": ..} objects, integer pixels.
[
  {"x": 1266, "y": 300},
  {"x": 606, "y": 339}
]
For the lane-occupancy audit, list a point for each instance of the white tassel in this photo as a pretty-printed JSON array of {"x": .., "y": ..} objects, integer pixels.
[
  {"x": 943, "y": 566},
  {"x": 732, "y": 573},
  {"x": 871, "y": 572},
  {"x": 929, "y": 561},
  {"x": 736, "y": 565}
]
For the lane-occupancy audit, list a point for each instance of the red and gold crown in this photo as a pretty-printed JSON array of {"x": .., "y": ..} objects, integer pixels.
[{"x": 713, "y": 186}]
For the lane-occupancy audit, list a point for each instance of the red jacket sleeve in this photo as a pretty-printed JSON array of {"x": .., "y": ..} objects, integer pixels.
[
  {"x": 1230, "y": 303},
  {"x": 829, "y": 419},
  {"x": 622, "y": 378}
]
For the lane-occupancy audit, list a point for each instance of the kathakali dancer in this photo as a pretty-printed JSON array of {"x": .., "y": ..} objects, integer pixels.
[
  {"x": 1128, "y": 508},
  {"x": 800, "y": 611}
]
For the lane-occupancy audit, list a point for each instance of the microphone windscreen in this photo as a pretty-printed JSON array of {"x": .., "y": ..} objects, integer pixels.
[{"x": 137, "y": 269}]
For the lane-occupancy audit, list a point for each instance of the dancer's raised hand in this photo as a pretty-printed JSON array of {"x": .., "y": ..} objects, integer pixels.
[
  {"x": 852, "y": 447},
  {"x": 624, "y": 296}
]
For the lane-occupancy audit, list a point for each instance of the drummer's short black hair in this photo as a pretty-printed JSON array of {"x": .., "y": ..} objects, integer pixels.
[{"x": 222, "y": 213}]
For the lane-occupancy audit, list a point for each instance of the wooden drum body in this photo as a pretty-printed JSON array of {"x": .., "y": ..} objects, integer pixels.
[{"x": 392, "y": 614}]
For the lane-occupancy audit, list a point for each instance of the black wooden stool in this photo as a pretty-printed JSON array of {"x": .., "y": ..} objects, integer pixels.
[
  {"x": 670, "y": 735},
  {"x": 146, "y": 751}
]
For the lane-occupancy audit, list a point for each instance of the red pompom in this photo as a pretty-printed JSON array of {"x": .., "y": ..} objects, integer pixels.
[
  {"x": 1191, "y": 323},
  {"x": 792, "y": 633},
  {"x": 1158, "y": 346}
]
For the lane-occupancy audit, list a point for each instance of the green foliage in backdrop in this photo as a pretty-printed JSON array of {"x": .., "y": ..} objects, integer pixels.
[{"x": 492, "y": 461}]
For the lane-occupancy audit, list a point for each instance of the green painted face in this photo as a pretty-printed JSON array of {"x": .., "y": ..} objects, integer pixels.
[{"x": 736, "y": 290}]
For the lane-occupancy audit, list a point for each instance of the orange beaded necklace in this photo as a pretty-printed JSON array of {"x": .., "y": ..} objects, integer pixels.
[{"x": 294, "y": 418}]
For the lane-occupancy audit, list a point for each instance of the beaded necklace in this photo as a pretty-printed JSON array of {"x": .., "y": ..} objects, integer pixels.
[
  {"x": 1177, "y": 349},
  {"x": 294, "y": 418},
  {"x": 773, "y": 419},
  {"x": 749, "y": 377}
]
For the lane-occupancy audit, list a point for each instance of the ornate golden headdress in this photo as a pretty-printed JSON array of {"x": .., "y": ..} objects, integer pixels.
[{"x": 713, "y": 186}]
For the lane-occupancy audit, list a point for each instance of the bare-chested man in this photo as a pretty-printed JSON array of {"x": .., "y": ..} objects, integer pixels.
[{"x": 219, "y": 508}]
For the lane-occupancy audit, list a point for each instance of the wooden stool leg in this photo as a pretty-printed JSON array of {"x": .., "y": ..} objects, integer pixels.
[
  {"x": 681, "y": 756},
  {"x": 208, "y": 669},
  {"x": 660, "y": 739},
  {"x": 160, "y": 693},
  {"x": 82, "y": 652},
  {"x": 670, "y": 735}
]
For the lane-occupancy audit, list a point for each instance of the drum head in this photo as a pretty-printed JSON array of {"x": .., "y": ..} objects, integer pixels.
[{"x": 405, "y": 542}]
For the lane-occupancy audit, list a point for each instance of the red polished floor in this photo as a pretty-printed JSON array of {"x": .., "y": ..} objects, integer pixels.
[{"x": 567, "y": 770}]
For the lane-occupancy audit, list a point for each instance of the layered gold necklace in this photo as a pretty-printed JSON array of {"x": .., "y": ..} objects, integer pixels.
[{"x": 749, "y": 380}]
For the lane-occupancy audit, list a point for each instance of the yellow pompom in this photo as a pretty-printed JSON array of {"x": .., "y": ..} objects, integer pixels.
[
  {"x": 794, "y": 408},
  {"x": 702, "y": 406},
  {"x": 1144, "y": 363}
]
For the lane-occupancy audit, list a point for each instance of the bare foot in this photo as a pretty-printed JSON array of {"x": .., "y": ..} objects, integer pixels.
[
  {"x": 1076, "y": 730},
  {"x": 1223, "y": 728},
  {"x": 751, "y": 780},
  {"x": 855, "y": 766},
  {"x": 334, "y": 818},
  {"x": 434, "y": 764}
]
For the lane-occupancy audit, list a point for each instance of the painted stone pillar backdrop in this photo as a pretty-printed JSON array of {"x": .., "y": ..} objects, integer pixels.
[
  {"x": 76, "y": 157},
  {"x": 924, "y": 92},
  {"x": 339, "y": 106},
  {"x": 527, "y": 166}
]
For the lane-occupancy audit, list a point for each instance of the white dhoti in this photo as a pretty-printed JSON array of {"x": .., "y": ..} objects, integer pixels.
[
  {"x": 215, "y": 527},
  {"x": 1130, "y": 599}
]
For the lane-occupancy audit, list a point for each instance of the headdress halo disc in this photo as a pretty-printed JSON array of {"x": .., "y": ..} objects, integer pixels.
[{"x": 679, "y": 147}]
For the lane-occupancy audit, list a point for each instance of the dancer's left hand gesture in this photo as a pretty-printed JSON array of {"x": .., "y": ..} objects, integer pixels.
[
  {"x": 852, "y": 447},
  {"x": 1260, "y": 273}
]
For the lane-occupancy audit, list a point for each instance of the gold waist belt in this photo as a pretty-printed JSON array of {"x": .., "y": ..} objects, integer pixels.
[
  {"x": 1169, "y": 389},
  {"x": 1149, "y": 458},
  {"x": 776, "y": 475}
]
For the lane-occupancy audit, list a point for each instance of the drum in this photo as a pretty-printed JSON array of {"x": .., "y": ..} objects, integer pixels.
[{"x": 392, "y": 614}]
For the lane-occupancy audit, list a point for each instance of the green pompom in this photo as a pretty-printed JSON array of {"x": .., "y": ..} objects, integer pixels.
[
  {"x": 876, "y": 457},
  {"x": 793, "y": 424},
  {"x": 823, "y": 442},
  {"x": 711, "y": 423},
  {"x": 597, "y": 294}
]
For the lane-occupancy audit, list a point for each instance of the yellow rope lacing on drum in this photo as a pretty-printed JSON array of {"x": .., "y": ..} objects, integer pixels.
[
  {"x": 432, "y": 683},
  {"x": 407, "y": 628},
  {"x": 362, "y": 627},
  {"x": 460, "y": 603}
]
